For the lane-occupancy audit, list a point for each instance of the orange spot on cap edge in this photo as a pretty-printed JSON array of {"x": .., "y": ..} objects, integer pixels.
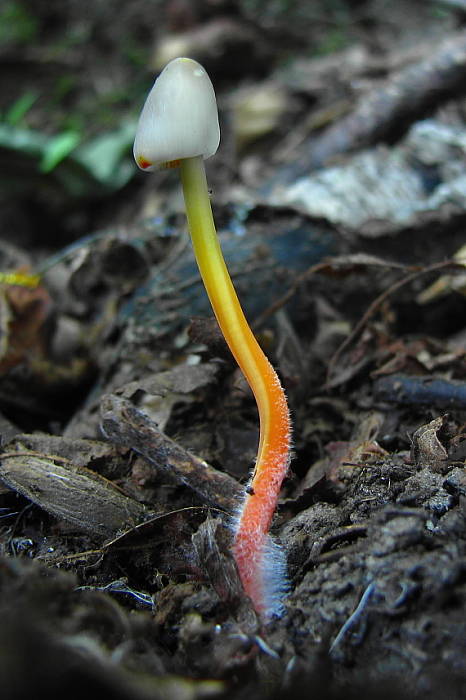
[{"x": 143, "y": 163}]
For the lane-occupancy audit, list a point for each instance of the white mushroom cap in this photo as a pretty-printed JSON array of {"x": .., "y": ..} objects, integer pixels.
[{"x": 179, "y": 118}]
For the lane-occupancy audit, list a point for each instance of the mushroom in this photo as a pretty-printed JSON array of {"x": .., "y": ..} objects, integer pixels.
[{"x": 178, "y": 127}]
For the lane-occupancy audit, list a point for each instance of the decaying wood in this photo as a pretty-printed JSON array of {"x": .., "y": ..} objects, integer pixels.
[
  {"x": 125, "y": 425},
  {"x": 401, "y": 99}
]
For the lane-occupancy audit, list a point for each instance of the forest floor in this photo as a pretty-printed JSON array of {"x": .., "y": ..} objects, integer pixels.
[{"x": 128, "y": 432}]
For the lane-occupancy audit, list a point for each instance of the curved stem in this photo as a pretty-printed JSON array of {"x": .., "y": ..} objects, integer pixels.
[{"x": 252, "y": 550}]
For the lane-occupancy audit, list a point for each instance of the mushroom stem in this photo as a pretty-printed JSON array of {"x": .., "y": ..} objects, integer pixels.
[{"x": 259, "y": 560}]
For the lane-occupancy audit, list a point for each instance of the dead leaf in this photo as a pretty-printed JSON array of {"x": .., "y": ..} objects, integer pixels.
[
  {"x": 24, "y": 312},
  {"x": 162, "y": 391},
  {"x": 426, "y": 449},
  {"x": 74, "y": 494}
]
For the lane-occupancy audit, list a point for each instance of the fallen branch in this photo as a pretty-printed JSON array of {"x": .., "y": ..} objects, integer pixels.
[{"x": 123, "y": 424}]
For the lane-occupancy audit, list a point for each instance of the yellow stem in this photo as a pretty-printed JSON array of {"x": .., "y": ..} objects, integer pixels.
[{"x": 273, "y": 452}]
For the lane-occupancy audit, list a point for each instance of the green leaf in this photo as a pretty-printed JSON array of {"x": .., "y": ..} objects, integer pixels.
[
  {"x": 57, "y": 149},
  {"x": 25, "y": 141},
  {"x": 20, "y": 107},
  {"x": 105, "y": 156},
  {"x": 103, "y": 164}
]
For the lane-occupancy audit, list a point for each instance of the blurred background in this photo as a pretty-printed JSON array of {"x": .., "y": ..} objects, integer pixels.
[{"x": 74, "y": 75}]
